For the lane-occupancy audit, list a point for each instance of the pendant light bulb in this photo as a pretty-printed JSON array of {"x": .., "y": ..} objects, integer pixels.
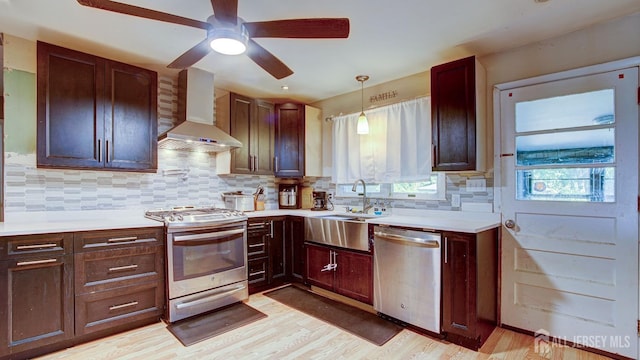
[{"x": 362, "y": 127}]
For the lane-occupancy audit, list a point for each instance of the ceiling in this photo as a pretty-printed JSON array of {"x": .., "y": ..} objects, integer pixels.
[{"x": 388, "y": 40}]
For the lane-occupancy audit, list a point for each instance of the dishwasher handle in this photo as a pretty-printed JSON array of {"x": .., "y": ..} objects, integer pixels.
[{"x": 409, "y": 239}]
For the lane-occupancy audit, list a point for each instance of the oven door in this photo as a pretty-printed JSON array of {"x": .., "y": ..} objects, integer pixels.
[{"x": 205, "y": 259}]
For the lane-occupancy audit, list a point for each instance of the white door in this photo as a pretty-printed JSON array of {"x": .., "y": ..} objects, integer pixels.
[{"x": 570, "y": 210}]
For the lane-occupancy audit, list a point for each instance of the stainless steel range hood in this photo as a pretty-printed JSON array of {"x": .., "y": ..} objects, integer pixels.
[{"x": 196, "y": 131}]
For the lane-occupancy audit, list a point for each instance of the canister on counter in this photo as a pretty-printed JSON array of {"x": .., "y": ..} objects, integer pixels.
[{"x": 306, "y": 197}]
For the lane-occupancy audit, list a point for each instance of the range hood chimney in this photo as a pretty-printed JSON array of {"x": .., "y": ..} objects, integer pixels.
[{"x": 195, "y": 130}]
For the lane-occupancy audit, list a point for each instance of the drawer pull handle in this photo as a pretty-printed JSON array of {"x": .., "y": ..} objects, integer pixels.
[
  {"x": 256, "y": 245},
  {"x": 37, "y": 246},
  {"x": 257, "y": 273},
  {"x": 126, "y": 267},
  {"x": 36, "y": 262},
  {"x": 116, "y": 307},
  {"x": 122, "y": 239}
]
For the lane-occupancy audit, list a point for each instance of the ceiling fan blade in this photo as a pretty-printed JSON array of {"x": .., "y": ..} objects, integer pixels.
[
  {"x": 144, "y": 13},
  {"x": 191, "y": 56},
  {"x": 321, "y": 28},
  {"x": 267, "y": 61},
  {"x": 225, "y": 10}
]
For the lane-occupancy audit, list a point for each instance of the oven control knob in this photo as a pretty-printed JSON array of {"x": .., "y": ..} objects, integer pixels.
[
  {"x": 171, "y": 218},
  {"x": 180, "y": 218}
]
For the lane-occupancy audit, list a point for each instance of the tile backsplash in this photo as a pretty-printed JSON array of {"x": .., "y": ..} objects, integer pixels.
[{"x": 182, "y": 178}]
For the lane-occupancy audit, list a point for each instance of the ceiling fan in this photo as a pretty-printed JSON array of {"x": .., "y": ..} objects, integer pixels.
[{"x": 225, "y": 27}]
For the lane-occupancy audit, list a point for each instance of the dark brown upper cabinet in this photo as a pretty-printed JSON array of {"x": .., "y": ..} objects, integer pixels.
[
  {"x": 457, "y": 115},
  {"x": 290, "y": 140},
  {"x": 252, "y": 122},
  {"x": 95, "y": 113}
]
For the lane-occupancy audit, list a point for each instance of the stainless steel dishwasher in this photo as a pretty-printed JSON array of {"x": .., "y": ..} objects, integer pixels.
[{"x": 407, "y": 276}]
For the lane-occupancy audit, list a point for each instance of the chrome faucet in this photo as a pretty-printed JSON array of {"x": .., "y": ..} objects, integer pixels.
[{"x": 365, "y": 205}]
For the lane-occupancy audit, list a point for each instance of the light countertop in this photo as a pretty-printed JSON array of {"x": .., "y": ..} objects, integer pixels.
[
  {"x": 69, "y": 221},
  {"x": 460, "y": 221},
  {"x": 40, "y": 222}
]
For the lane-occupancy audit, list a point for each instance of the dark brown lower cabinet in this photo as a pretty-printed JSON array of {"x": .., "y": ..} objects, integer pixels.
[
  {"x": 104, "y": 310},
  {"x": 318, "y": 273},
  {"x": 36, "y": 291},
  {"x": 37, "y": 302},
  {"x": 294, "y": 233},
  {"x": 266, "y": 253},
  {"x": 52, "y": 297},
  {"x": 345, "y": 272},
  {"x": 275, "y": 252},
  {"x": 469, "y": 287},
  {"x": 115, "y": 287}
]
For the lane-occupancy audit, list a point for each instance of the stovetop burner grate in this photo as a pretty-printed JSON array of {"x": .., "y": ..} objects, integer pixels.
[{"x": 191, "y": 215}]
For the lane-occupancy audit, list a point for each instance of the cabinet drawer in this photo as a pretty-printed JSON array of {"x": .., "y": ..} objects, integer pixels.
[
  {"x": 103, "y": 239},
  {"x": 105, "y": 309},
  {"x": 107, "y": 269},
  {"x": 258, "y": 270},
  {"x": 42, "y": 244},
  {"x": 257, "y": 245}
]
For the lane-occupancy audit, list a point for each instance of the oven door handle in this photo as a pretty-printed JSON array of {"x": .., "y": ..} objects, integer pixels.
[
  {"x": 209, "y": 235},
  {"x": 208, "y": 298}
]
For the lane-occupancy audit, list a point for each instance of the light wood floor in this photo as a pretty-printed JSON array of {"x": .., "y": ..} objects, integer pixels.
[{"x": 289, "y": 334}]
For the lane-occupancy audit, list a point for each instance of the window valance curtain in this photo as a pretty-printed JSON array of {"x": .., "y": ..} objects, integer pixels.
[{"x": 397, "y": 148}]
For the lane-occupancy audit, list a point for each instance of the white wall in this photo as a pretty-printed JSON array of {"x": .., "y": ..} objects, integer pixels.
[{"x": 600, "y": 43}]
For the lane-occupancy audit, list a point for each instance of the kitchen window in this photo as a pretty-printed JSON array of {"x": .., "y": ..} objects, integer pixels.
[{"x": 432, "y": 189}]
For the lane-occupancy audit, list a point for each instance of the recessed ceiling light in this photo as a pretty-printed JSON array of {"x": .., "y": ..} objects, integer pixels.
[{"x": 284, "y": 87}]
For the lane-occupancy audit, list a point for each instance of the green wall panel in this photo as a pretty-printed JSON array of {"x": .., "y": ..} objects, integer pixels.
[{"x": 20, "y": 111}]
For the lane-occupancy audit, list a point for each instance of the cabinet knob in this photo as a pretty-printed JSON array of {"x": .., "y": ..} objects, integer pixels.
[{"x": 510, "y": 224}]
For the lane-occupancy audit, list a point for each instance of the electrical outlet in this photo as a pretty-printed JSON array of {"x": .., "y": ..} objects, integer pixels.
[
  {"x": 476, "y": 185},
  {"x": 330, "y": 195},
  {"x": 455, "y": 200}
]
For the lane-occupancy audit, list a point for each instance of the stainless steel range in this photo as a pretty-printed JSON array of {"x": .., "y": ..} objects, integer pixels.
[{"x": 206, "y": 258}]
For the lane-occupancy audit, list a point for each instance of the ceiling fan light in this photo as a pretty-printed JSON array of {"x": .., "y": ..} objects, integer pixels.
[
  {"x": 362, "y": 127},
  {"x": 229, "y": 41}
]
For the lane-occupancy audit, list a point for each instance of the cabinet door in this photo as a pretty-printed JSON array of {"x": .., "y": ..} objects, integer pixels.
[
  {"x": 354, "y": 275},
  {"x": 70, "y": 108},
  {"x": 131, "y": 125},
  {"x": 289, "y": 153},
  {"x": 277, "y": 256},
  {"x": 317, "y": 258},
  {"x": 36, "y": 302},
  {"x": 459, "y": 284},
  {"x": 240, "y": 126},
  {"x": 453, "y": 115},
  {"x": 295, "y": 241},
  {"x": 264, "y": 130}
]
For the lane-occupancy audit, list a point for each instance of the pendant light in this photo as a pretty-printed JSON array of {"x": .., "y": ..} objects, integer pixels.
[{"x": 363, "y": 123}]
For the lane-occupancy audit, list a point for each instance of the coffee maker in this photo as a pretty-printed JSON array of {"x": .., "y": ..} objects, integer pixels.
[{"x": 320, "y": 201}]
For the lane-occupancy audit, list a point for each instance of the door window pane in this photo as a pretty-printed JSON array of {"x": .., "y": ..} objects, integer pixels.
[
  {"x": 569, "y": 111},
  {"x": 566, "y": 184},
  {"x": 566, "y": 147},
  {"x": 563, "y": 146}
]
